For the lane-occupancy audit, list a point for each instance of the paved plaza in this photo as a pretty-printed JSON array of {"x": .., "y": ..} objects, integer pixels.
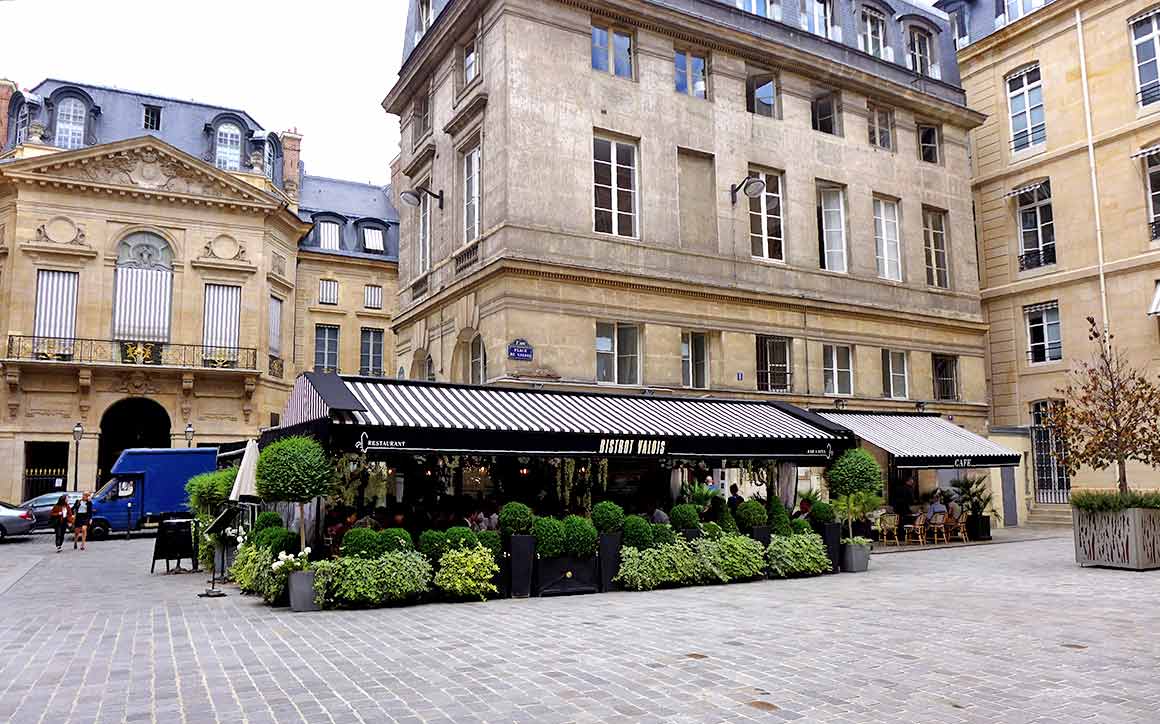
[{"x": 1003, "y": 633}]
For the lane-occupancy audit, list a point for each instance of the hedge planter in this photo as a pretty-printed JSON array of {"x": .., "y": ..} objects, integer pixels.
[
  {"x": 691, "y": 534},
  {"x": 831, "y": 534},
  {"x": 1128, "y": 538},
  {"x": 566, "y": 575},
  {"x": 301, "y": 588},
  {"x": 979, "y": 527},
  {"x": 523, "y": 557},
  {"x": 760, "y": 533},
  {"x": 855, "y": 559},
  {"x": 609, "y": 560}
]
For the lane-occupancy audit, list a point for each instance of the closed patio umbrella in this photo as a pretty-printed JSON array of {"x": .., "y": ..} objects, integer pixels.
[{"x": 246, "y": 484}]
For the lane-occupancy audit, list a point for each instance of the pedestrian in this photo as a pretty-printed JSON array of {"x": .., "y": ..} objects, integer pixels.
[
  {"x": 82, "y": 516},
  {"x": 734, "y": 499},
  {"x": 61, "y": 516}
]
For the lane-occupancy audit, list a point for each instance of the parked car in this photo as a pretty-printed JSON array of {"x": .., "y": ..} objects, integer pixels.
[
  {"x": 15, "y": 521},
  {"x": 41, "y": 507}
]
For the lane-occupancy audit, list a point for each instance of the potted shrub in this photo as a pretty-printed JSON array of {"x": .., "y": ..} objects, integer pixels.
[
  {"x": 855, "y": 554},
  {"x": 752, "y": 518},
  {"x": 1110, "y": 529},
  {"x": 467, "y": 572},
  {"x": 296, "y": 470},
  {"x": 565, "y": 556},
  {"x": 638, "y": 532},
  {"x": 608, "y": 517},
  {"x": 663, "y": 534},
  {"x": 854, "y": 471},
  {"x": 515, "y": 522},
  {"x": 292, "y": 567},
  {"x": 974, "y": 498},
  {"x": 794, "y": 556},
  {"x": 686, "y": 518},
  {"x": 825, "y": 523},
  {"x": 851, "y": 508}
]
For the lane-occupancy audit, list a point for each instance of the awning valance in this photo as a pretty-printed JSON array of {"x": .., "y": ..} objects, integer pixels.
[
  {"x": 1149, "y": 151},
  {"x": 1023, "y": 189},
  {"x": 1154, "y": 310},
  {"x": 383, "y": 415},
  {"x": 922, "y": 440}
]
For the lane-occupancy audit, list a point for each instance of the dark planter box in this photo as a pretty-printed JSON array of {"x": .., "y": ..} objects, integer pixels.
[
  {"x": 855, "y": 559},
  {"x": 522, "y": 552},
  {"x": 301, "y": 589},
  {"x": 979, "y": 527},
  {"x": 609, "y": 560},
  {"x": 565, "y": 576},
  {"x": 691, "y": 533},
  {"x": 864, "y": 529},
  {"x": 760, "y": 533},
  {"x": 831, "y": 534}
]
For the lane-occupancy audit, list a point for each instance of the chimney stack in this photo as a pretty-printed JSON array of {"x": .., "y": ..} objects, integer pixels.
[
  {"x": 7, "y": 90},
  {"x": 291, "y": 152}
]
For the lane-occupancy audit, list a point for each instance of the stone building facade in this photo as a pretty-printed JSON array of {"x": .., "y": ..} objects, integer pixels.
[
  {"x": 573, "y": 215},
  {"x": 159, "y": 276},
  {"x": 1066, "y": 179}
]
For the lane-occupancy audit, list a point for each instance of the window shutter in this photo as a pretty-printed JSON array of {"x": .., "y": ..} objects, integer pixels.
[
  {"x": 328, "y": 235},
  {"x": 888, "y": 54},
  {"x": 373, "y": 239},
  {"x": 935, "y": 71},
  {"x": 373, "y": 296},
  {"x": 775, "y": 11},
  {"x": 836, "y": 33},
  {"x": 141, "y": 303},
  {"x": 275, "y": 333},
  {"x": 327, "y": 291},
  {"x": 862, "y": 42},
  {"x": 56, "y": 305},
  {"x": 223, "y": 309}
]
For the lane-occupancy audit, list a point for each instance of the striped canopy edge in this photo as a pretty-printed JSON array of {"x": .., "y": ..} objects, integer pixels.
[
  {"x": 924, "y": 440},
  {"x": 314, "y": 396}
]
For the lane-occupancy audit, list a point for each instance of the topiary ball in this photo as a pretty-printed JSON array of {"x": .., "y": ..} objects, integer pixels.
[
  {"x": 266, "y": 519},
  {"x": 461, "y": 537},
  {"x": 749, "y": 514},
  {"x": 822, "y": 513},
  {"x": 361, "y": 543},
  {"x": 638, "y": 532},
  {"x": 685, "y": 517},
  {"x": 800, "y": 526},
  {"x": 516, "y": 519},
  {"x": 277, "y": 540},
  {"x": 608, "y": 517},
  {"x": 549, "y": 534},
  {"x": 663, "y": 533},
  {"x": 579, "y": 537},
  {"x": 294, "y": 469},
  {"x": 395, "y": 539},
  {"x": 779, "y": 519},
  {"x": 854, "y": 471},
  {"x": 432, "y": 543},
  {"x": 490, "y": 540}
]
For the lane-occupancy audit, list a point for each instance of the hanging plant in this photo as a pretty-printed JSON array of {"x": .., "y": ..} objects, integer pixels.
[
  {"x": 569, "y": 468},
  {"x": 602, "y": 473}
]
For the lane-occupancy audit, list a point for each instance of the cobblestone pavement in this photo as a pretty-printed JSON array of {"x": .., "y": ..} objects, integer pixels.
[{"x": 1008, "y": 633}]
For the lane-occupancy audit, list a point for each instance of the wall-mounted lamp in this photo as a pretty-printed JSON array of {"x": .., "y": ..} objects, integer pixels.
[
  {"x": 414, "y": 197},
  {"x": 839, "y": 404},
  {"x": 751, "y": 186},
  {"x": 920, "y": 406}
]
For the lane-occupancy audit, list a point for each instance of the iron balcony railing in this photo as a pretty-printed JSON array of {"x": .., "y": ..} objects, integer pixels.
[
  {"x": 1050, "y": 352},
  {"x": 111, "y": 351},
  {"x": 1036, "y": 259},
  {"x": 466, "y": 259},
  {"x": 774, "y": 380},
  {"x": 1149, "y": 94},
  {"x": 946, "y": 389},
  {"x": 1155, "y": 229}
]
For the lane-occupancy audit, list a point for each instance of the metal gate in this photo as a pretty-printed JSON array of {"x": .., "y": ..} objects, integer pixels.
[
  {"x": 1052, "y": 483},
  {"x": 38, "y": 481}
]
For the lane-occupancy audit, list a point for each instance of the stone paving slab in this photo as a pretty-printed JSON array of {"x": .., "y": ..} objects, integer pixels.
[{"x": 1014, "y": 633}]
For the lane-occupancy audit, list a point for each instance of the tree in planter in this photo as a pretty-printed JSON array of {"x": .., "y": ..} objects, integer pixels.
[
  {"x": 608, "y": 517},
  {"x": 638, "y": 532},
  {"x": 779, "y": 522},
  {"x": 854, "y": 471},
  {"x": 516, "y": 519},
  {"x": 751, "y": 513},
  {"x": 295, "y": 470},
  {"x": 685, "y": 516},
  {"x": 856, "y": 506},
  {"x": 1109, "y": 413}
]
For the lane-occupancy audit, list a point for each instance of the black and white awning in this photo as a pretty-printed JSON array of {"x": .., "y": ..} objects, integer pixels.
[
  {"x": 924, "y": 440},
  {"x": 382, "y": 415}
]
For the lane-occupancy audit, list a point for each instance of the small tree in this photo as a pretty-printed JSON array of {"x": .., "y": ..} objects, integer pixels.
[
  {"x": 1109, "y": 412},
  {"x": 854, "y": 471},
  {"x": 296, "y": 470}
]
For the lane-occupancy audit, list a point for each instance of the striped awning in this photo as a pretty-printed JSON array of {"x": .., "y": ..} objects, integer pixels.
[
  {"x": 924, "y": 440},
  {"x": 375, "y": 414},
  {"x": 1154, "y": 309},
  {"x": 1149, "y": 151},
  {"x": 1023, "y": 189}
]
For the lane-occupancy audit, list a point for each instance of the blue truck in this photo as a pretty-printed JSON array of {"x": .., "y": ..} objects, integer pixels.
[{"x": 147, "y": 482}]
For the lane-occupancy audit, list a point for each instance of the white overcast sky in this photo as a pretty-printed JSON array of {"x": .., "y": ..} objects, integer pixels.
[{"x": 322, "y": 66}]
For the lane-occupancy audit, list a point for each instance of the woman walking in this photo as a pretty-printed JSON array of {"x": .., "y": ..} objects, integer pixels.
[
  {"x": 60, "y": 516},
  {"x": 82, "y": 516}
]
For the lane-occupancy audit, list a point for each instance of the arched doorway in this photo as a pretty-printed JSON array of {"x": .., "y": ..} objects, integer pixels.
[{"x": 132, "y": 422}]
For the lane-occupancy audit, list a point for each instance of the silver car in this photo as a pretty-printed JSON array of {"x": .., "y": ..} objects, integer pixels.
[
  {"x": 15, "y": 521},
  {"x": 41, "y": 507}
]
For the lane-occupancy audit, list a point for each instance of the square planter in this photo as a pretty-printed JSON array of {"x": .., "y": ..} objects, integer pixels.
[
  {"x": 979, "y": 527},
  {"x": 1119, "y": 539},
  {"x": 855, "y": 559},
  {"x": 522, "y": 558},
  {"x": 691, "y": 533},
  {"x": 609, "y": 557},
  {"x": 760, "y": 533},
  {"x": 565, "y": 576},
  {"x": 831, "y": 534},
  {"x": 301, "y": 588}
]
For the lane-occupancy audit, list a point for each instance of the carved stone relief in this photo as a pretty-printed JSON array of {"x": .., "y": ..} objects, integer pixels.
[
  {"x": 60, "y": 230},
  {"x": 225, "y": 247},
  {"x": 137, "y": 383}
]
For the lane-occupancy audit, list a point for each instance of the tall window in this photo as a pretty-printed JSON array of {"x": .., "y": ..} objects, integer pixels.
[
  {"x": 617, "y": 353},
  {"x": 928, "y": 145},
  {"x": 837, "y": 369},
  {"x": 325, "y": 348},
  {"x": 371, "y": 352},
  {"x": 614, "y": 178},
  {"x": 470, "y": 62},
  {"x": 918, "y": 52},
  {"x": 1052, "y": 483},
  {"x": 70, "y": 124},
  {"x": 22, "y": 120},
  {"x": 327, "y": 291},
  {"x": 934, "y": 240},
  {"x": 142, "y": 289},
  {"x": 894, "y": 377},
  {"x": 1037, "y": 227},
  {"x": 228, "y": 147},
  {"x": 612, "y": 51},
  {"x": 1025, "y": 102},
  {"x": 824, "y": 113},
  {"x": 478, "y": 373},
  {"x": 56, "y": 311},
  {"x": 274, "y": 334},
  {"x": 151, "y": 118},
  {"x": 946, "y": 376},
  {"x": 695, "y": 359},
  {"x": 774, "y": 369},
  {"x": 817, "y": 17},
  {"x": 328, "y": 233},
  {"x": 429, "y": 369},
  {"x": 471, "y": 195},
  {"x": 886, "y": 247},
  {"x": 960, "y": 22},
  {"x": 268, "y": 158},
  {"x": 420, "y": 120},
  {"x": 690, "y": 74},
  {"x": 872, "y": 37},
  {"x": 1043, "y": 337},
  {"x": 423, "y": 21},
  {"x": 763, "y": 8},
  {"x": 1152, "y": 165},
  {"x": 1018, "y": 8},
  {"x": 765, "y": 215},
  {"x": 832, "y": 228},
  {"x": 373, "y": 296},
  {"x": 761, "y": 94},
  {"x": 881, "y": 123},
  {"x": 1145, "y": 40},
  {"x": 221, "y": 322},
  {"x": 423, "y": 248}
]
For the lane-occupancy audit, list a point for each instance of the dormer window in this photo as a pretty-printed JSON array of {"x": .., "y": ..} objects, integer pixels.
[
  {"x": 328, "y": 235},
  {"x": 919, "y": 48},
  {"x": 268, "y": 159},
  {"x": 151, "y": 119},
  {"x": 70, "y": 124},
  {"x": 872, "y": 37},
  {"x": 228, "y": 147},
  {"x": 372, "y": 238},
  {"x": 817, "y": 17},
  {"x": 424, "y": 19},
  {"x": 22, "y": 120}
]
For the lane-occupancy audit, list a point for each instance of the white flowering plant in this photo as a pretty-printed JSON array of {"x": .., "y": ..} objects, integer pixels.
[{"x": 273, "y": 584}]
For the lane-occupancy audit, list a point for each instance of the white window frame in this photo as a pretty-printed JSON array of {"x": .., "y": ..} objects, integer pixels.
[
  {"x": 1023, "y": 94},
  {"x": 268, "y": 158},
  {"x": 872, "y": 32},
  {"x": 373, "y": 238},
  {"x": 920, "y": 51},
  {"x": 477, "y": 372},
  {"x": 274, "y": 333},
  {"x": 831, "y": 98},
  {"x": 368, "y": 353},
  {"x": 765, "y": 209},
  {"x": 329, "y": 235},
  {"x": 603, "y": 57},
  {"x": 880, "y": 122},
  {"x": 227, "y": 147},
  {"x": 614, "y": 353},
  {"x": 615, "y": 189},
  {"x": 1048, "y": 318},
  {"x": 936, "y": 146},
  {"x": 470, "y": 60},
  {"x": 817, "y": 17},
  {"x": 423, "y": 221},
  {"x": 693, "y": 363},
  {"x": 1015, "y": 9},
  {"x": 832, "y": 371},
  {"x": 755, "y": 81},
  {"x": 685, "y": 64},
  {"x": 329, "y": 350},
  {"x": 424, "y": 18},
  {"x": 71, "y": 114},
  {"x": 934, "y": 238},
  {"x": 372, "y": 296},
  {"x": 895, "y": 383},
  {"x": 887, "y": 246},
  {"x": 420, "y": 120},
  {"x": 1149, "y": 93},
  {"x": 23, "y": 118},
  {"x": 1152, "y": 179},
  {"x": 835, "y": 256},
  {"x": 762, "y": 8},
  {"x": 145, "y": 108},
  {"x": 471, "y": 195},
  {"x": 960, "y": 20},
  {"x": 1039, "y": 207}
]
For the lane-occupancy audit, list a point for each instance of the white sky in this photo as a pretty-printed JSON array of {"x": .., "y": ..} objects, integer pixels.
[{"x": 322, "y": 66}]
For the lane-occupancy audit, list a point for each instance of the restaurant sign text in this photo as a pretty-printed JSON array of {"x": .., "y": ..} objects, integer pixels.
[{"x": 611, "y": 446}]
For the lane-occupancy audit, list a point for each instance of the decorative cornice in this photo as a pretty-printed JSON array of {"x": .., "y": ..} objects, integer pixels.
[
  {"x": 474, "y": 106},
  {"x": 421, "y": 158}
]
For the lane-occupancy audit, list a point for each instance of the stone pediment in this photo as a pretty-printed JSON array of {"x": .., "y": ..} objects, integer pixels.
[{"x": 145, "y": 166}]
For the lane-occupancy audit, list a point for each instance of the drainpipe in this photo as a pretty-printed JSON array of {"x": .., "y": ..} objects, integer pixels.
[{"x": 1091, "y": 151}]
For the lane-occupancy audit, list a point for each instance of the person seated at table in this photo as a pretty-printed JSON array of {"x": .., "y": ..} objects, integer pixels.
[
  {"x": 936, "y": 506},
  {"x": 656, "y": 515},
  {"x": 803, "y": 511}
]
